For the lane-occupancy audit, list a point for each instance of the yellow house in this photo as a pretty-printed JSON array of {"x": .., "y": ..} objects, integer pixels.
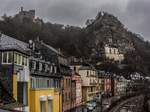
[
  {"x": 45, "y": 100},
  {"x": 45, "y": 92},
  {"x": 45, "y": 80},
  {"x": 15, "y": 71},
  {"x": 31, "y": 83}
]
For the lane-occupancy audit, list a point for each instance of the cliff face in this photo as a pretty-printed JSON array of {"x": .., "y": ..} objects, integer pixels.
[
  {"x": 107, "y": 29},
  {"x": 85, "y": 42}
]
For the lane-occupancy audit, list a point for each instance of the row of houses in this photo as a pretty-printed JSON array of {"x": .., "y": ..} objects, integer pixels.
[{"x": 35, "y": 77}]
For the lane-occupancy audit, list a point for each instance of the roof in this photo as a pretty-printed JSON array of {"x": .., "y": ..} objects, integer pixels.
[
  {"x": 50, "y": 47},
  {"x": 9, "y": 43},
  {"x": 87, "y": 67}
]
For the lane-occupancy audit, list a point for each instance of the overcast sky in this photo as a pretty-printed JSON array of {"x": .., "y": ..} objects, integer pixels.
[{"x": 134, "y": 14}]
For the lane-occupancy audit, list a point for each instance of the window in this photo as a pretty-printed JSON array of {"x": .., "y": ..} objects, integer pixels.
[
  {"x": 48, "y": 83},
  {"x": 43, "y": 67},
  {"x": 19, "y": 59},
  {"x": 40, "y": 66},
  {"x": 74, "y": 68},
  {"x": 42, "y": 106},
  {"x": 46, "y": 67},
  {"x": 55, "y": 69},
  {"x": 110, "y": 50},
  {"x": 17, "y": 55},
  {"x": 37, "y": 66},
  {"x": 50, "y": 106},
  {"x": 15, "y": 58},
  {"x": 25, "y": 61},
  {"x": 7, "y": 57},
  {"x": 44, "y": 83},
  {"x": 10, "y": 56},
  {"x": 51, "y": 69},
  {"x": 33, "y": 65},
  {"x": 4, "y": 57},
  {"x": 87, "y": 73},
  {"x": 114, "y": 51},
  {"x": 32, "y": 83},
  {"x": 37, "y": 83}
]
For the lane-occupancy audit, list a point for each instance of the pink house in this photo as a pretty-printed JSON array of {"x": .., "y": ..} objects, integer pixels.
[
  {"x": 107, "y": 85},
  {"x": 78, "y": 85}
]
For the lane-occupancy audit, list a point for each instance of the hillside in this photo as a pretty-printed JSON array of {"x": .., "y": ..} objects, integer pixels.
[{"x": 85, "y": 42}]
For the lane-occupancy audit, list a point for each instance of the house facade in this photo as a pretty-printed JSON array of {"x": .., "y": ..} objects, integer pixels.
[
  {"x": 112, "y": 53},
  {"x": 66, "y": 83},
  {"x": 77, "y": 90},
  {"x": 121, "y": 85},
  {"x": 89, "y": 82},
  {"x": 45, "y": 87},
  {"x": 14, "y": 67}
]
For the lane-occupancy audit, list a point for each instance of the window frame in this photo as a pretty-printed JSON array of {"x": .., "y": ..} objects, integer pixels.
[{"x": 7, "y": 57}]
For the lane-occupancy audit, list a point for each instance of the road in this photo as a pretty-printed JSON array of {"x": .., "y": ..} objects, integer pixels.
[
  {"x": 133, "y": 104},
  {"x": 106, "y": 102}
]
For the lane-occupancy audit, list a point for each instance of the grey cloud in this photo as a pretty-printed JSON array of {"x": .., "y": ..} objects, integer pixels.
[
  {"x": 138, "y": 14},
  {"x": 133, "y": 13}
]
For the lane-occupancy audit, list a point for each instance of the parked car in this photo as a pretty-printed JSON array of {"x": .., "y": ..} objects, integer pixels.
[{"x": 91, "y": 105}]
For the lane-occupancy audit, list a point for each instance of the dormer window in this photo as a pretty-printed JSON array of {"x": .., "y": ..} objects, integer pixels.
[
  {"x": 46, "y": 67},
  {"x": 43, "y": 67},
  {"x": 51, "y": 69},
  {"x": 55, "y": 69},
  {"x": 33, "y": 65},
  {"x": 40, "y": 66}
]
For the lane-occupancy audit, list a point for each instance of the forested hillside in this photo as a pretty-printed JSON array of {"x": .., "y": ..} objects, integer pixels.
[{"x": 85, "y": 42}]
